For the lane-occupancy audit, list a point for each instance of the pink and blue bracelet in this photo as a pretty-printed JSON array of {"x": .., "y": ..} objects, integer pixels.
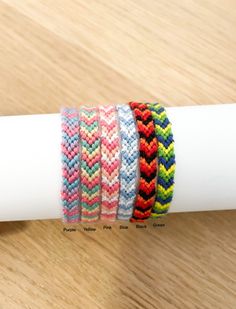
[{"x": 70, "y": 165}]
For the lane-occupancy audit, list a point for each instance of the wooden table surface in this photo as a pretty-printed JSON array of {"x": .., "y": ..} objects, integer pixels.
[{"x": 56, "y": 53}]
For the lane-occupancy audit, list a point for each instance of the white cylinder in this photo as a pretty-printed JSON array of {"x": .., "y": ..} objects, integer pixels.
[{"x": 30, "y": 162}]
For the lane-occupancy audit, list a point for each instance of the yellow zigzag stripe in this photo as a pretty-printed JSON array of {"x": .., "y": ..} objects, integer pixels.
[
  {"x": 166, "y": 129},
  {"x": 155, "y": 216},
  {"x": 166, "y": 150},
  {"x": 165, "y": 191},
  {"x": 94, "y": 175},
  {"x": 162, "y": 207},
  {"x": 164, "y": 170}
]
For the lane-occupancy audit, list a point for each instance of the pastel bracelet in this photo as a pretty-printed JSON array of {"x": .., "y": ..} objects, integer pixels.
[
  {"x": 129, "y": 161},
  {"x": 70, "y": 165},
  {"x": 117, "y": 163},
  {"x": 90, "y": 164},
  {"x": 166, "y": 157},
  {"x": 147, "y": 162},
  {"x": 110, "y": 162}
]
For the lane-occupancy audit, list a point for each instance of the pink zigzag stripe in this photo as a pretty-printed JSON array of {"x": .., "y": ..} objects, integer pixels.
[
  {"x": 69, "y": 116},
  {"x": 70, "y": 212},
  {"x": 90, "y": 212},
  {"x": 91, "y": 184},
  {"x": 89, "y": 121},
  {"x": 72, "y": 132},
  {"x": 71, "y": 198},
  {"x": 91, "y": 201}
]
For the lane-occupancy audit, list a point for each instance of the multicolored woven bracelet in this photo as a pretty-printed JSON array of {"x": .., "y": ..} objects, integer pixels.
[
  {"x": 129, "y": 162},
  {"x": 90, "y": 167},
  {"x": 70, "y": 165},
  {"x": 147, "y": 162},
  {"x": 166, "y": 157},
  {"x": 110, "y": 162},
  {"x": 117, "y": 163}
]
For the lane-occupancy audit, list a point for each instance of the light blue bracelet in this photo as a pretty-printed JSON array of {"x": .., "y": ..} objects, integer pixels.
[{"x": 129, "y": 162}]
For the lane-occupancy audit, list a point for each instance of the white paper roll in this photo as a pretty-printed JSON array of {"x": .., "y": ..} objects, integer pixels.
[{"x": 30, "y": 162}]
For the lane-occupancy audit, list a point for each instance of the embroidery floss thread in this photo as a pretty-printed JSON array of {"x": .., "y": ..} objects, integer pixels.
[
  {"x": 117, "y": 163},
  {"x": 110, "y": 162},
  {"x": 166, "y": 157},
  {"x": 70, "y": 165},
  {"x": 147, "y": 162},
  {"x": 90, "y": 164},
  {"x": 129, "y": 162}
]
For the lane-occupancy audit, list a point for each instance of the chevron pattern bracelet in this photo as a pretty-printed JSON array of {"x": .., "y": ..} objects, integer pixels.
[
  {"x": 110, "y": 162},
  {"x": 129, "y": 162},
  {"x": 90, "y": 164},
  {"x": 147, "y": 162},
  {"x": 70, "y": 165},
  {"x": 118, "y": 163},
  {"x": 166, "y": 156}
]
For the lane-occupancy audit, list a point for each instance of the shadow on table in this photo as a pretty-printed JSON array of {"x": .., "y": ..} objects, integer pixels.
[{"x": 12, "y": 227}]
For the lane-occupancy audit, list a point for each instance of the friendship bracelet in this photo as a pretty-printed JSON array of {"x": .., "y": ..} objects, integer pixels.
[
  {"x": 119, "y": 160},
  {"x": 90, "y": 164},
  {"x": 70, "y": 165},
  {"x": 129, "y": 162},
  {"x": 166, "y": 157},
  {"x": 110, "y": 162},
  {"x": 147, "y": 162}
]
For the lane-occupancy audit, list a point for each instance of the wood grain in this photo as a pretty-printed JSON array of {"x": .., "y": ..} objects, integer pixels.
[{"x": 55, "y": 53}]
